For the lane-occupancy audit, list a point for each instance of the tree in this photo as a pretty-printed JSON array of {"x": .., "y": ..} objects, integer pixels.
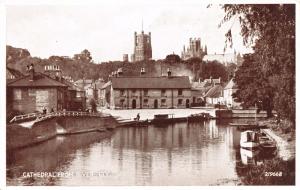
[
  {"x": 14, "y": 55},
  {"x": 254, "y": 89},
  {"x": 230, "y": 68},
  {"x": 172, "y": 58},
  {"x": 214, "y": 69},
  {"x": 84, "y": 56},
  {"x": 271, "y": 28}
]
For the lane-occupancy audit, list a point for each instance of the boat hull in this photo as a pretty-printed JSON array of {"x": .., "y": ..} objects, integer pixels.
[{"x": 249, "y": 145}]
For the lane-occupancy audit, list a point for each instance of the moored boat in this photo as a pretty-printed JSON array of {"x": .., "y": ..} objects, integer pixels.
[
  {"x": 199, "y": 117},
  {"x": 162, "y": 119},
  {"x": 249, "y": 139},
  {"x": 266, "y": 143}
]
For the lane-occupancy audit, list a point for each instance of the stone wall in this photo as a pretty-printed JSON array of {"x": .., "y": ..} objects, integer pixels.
[
  {"x": 17, "y": 136},
  {"x": 30, "y": 100},
  {"x": 239, "y": 113}
]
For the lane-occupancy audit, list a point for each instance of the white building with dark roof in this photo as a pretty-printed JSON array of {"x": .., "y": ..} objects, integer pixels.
[
  {"x": 224, "y": 59},
  {"x": 228, "y": 91},
  {"x": 214, "y": 95},
  {"x": 148, "y": 92}
]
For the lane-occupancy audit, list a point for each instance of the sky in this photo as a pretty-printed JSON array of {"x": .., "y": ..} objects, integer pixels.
[{"x": 107, "y": 28}]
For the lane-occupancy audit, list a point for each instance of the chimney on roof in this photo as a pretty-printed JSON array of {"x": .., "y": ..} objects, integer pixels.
[
  {"x": 30, "y": 69},
  {"x": 169, "y": 72},
  {"x": 114, "y": 74},
  {"x": 143, "y": 71}
]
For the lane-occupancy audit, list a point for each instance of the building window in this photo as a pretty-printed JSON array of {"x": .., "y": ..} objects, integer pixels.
[
  {"x": 122, "y": 102},
  {"x": 122, "y": 92},
  {"x": 17, "y": 94},
  {"x": 179, "y": 102},
  {"x": 163, "y": 93},
  {"x": 145, "y": 92},
  {"x": 31, "y": 92},
  {"x": 163, "y": 102},
  {"x": 146, "y": 103},
  {"x": 179, "y": 92}
]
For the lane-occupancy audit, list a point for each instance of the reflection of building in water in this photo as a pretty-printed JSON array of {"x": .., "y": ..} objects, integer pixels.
[
  {"x": 143, "y": 167},
  {"x": 143, "y": 144},
  {"x": 236, "y": 136},
  {"x": 213, "y": 130}
]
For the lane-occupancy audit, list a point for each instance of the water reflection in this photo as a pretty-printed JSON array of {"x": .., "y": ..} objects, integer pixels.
[
  {"x": 197, "y": 153},
  {"x": 249, "y": 156}
]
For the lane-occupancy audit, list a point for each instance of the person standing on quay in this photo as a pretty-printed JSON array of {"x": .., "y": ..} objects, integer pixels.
[{"x": 44, "y": 111}]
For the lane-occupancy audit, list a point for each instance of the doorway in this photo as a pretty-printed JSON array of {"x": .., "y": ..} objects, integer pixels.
[
  {"x": 155, "y": 104},
  {"x": 187, "y": 103},
  {"x": 133, "y": 104}
]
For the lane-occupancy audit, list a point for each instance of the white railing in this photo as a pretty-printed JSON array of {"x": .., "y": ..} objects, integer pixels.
[
  {"x": 40, "y": 116},
  {"x": 25, "y": 116}
]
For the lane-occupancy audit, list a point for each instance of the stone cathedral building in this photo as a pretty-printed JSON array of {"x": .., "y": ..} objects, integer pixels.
[
  {"x": 194, "y": 49},
  {"x": 142, "y": 47}
]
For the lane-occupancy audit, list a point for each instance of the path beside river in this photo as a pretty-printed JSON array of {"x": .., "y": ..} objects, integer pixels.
[
  {"x": 286, "y": 142},
  {"x": 149, "y": 113}
]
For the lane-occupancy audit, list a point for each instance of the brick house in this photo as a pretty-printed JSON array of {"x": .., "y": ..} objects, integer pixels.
[
  {"x": 92, "y": 89},
  {"x": 36, "y": 91},
  {"x": 103, "y": 93},
  {"x": 75, "y": 98},
  {"x": 148, "y": 92},
  {"x": 201, "y": 88}
]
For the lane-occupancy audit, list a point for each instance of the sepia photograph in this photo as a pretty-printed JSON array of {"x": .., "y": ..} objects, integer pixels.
[{"x": 149, "y": 93}]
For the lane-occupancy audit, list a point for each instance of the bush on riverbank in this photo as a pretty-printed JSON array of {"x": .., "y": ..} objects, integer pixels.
[
  {"x": 283, "y": 128},
  {"x": 259, "y": 175}
]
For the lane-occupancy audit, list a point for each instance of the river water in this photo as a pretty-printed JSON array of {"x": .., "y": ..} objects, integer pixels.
[{"x": 198, "y": 153}]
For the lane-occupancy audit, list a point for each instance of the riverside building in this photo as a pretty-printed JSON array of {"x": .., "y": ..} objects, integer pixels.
[{"x": 148, "y": 92}]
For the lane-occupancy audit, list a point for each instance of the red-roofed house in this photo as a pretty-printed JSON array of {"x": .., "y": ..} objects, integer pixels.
[{"x": 149, "y": 92}]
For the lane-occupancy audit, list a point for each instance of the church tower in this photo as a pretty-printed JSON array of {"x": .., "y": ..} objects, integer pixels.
[{"x": 142, "y": 47}]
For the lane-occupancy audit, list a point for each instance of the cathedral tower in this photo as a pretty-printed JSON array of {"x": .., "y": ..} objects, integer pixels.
[{"x": 142, "y": 47}]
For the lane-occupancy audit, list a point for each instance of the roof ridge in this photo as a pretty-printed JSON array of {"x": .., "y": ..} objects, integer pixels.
[
  {"x": 41, "y": 74},
  {"x": 52, "y": 78}
]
